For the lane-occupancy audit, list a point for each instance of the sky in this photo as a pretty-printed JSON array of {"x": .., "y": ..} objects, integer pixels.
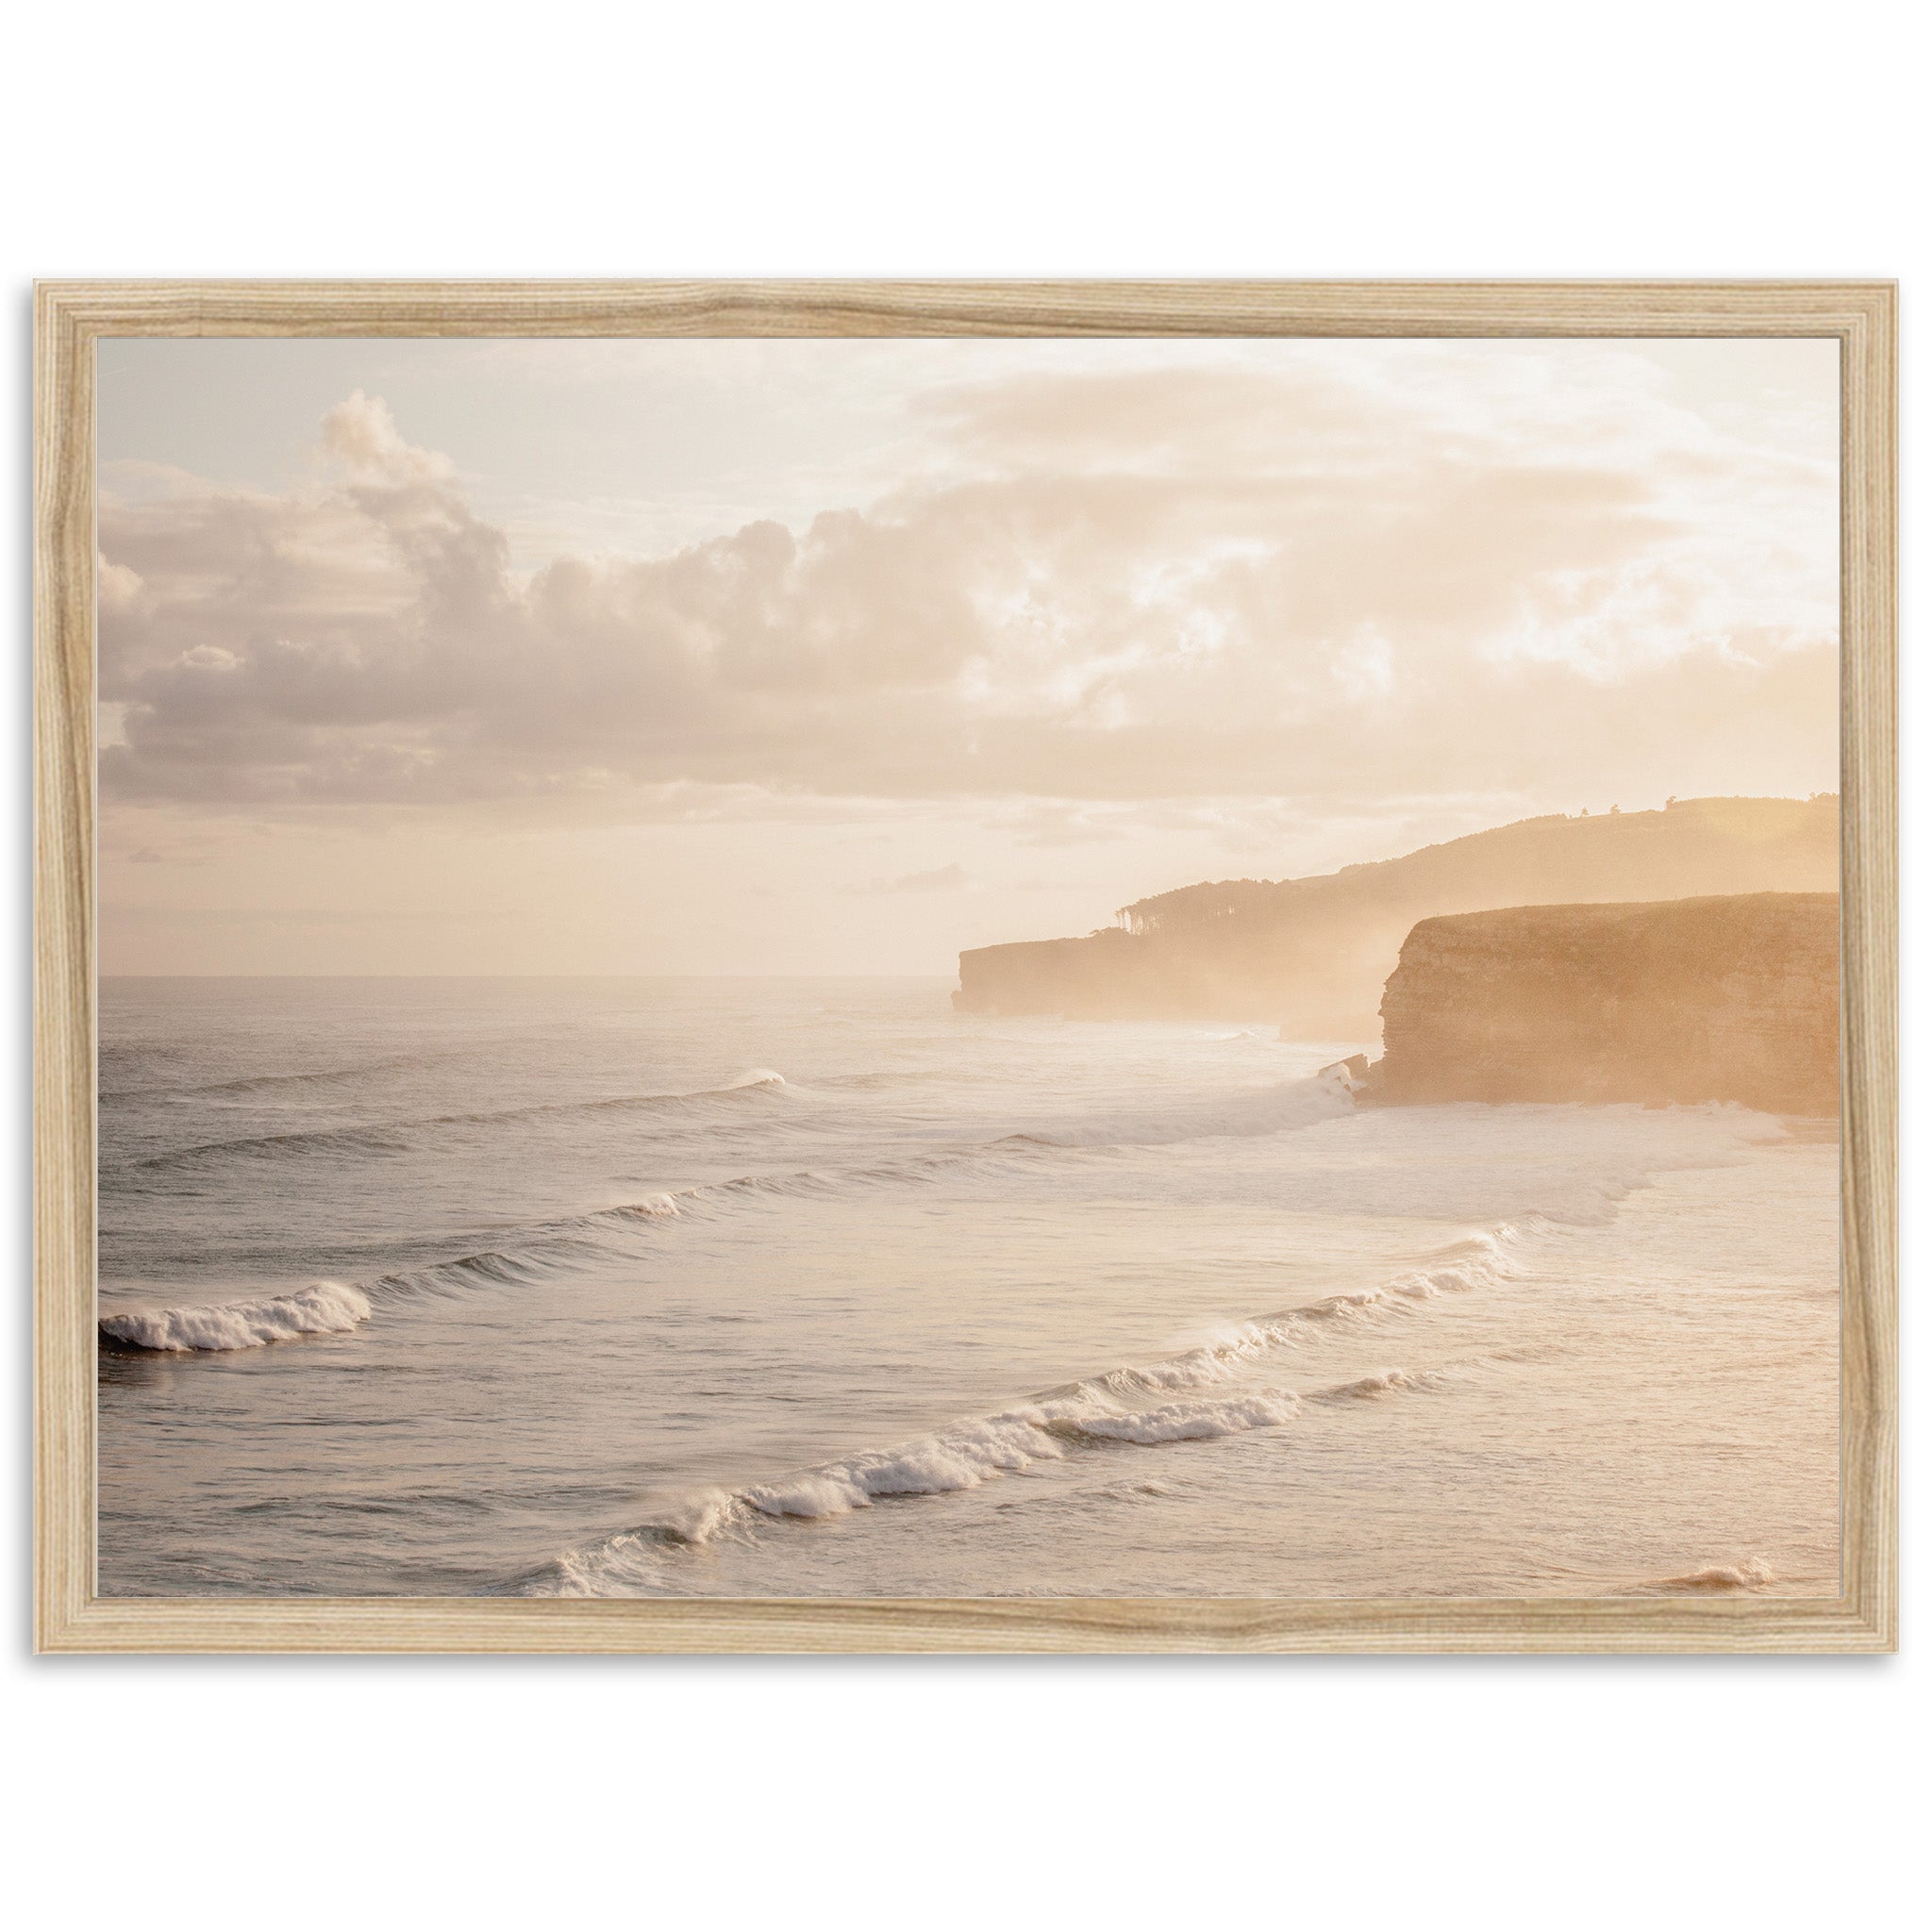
[{"x": 792, "y": 657}]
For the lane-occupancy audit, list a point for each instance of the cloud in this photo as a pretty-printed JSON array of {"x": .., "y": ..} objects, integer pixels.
[
  {"x": 360, "y": 434},
  {"x": 1331, "y": 581}
]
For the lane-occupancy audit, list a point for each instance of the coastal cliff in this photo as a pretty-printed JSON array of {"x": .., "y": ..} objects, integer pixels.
[
  {"x": 1733, "y": 998},
  {"x": 1312, "y": 955}
]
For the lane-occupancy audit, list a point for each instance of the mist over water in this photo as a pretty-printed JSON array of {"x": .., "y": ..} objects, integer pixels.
[{"x": 766, "y": 1287}]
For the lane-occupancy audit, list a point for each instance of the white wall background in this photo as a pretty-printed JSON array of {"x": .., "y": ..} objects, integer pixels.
[{"x": 1490, "y": 139}]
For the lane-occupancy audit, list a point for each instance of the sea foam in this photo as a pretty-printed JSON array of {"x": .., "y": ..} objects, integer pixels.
[
  {"x": 324, "y": 1307},
  {"x": 1089, "y": 1414}
]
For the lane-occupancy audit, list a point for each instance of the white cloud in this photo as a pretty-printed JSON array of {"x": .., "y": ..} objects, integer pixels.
[{"x": 1331, "y": 579}]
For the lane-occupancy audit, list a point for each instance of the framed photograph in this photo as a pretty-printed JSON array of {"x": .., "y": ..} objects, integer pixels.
[{"x": 971, "y": 967}]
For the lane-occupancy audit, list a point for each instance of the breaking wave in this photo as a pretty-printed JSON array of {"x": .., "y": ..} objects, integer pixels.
[
  {"x": 1185, "y": 1421},
  {"x": 545, "y": 1248},
  {"x": 549, "y": 1247},
  {"x": 1049, "y": 1427},
  {"x": 324, "y": 1307}
]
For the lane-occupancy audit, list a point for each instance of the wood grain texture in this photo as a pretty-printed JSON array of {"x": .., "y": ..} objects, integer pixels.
[
  {"x": 964, "y": 308},
  {"x": 70, "y": 316}
]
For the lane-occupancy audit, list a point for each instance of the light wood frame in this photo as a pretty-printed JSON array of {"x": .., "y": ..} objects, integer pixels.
[{"x": 70, "y": 316}]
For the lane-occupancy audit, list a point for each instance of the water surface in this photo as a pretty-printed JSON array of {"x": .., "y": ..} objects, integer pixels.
[{"x": 765, "y": 1286}]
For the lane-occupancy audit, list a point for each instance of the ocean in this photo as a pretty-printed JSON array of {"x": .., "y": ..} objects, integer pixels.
[{"x": 797, "y": 1288}]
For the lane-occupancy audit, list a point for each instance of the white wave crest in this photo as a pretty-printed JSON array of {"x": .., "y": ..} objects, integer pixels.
[
  {"x": 1382, "y": 1382},
  {"x": 546, "y": 1247},
  {"x": 324, "y": 1307},
  {"x": 961, "y": 1458},
  {"x": 1079, "y": 1415},
  {"x": 1188, "y": 1422},
  {"x": 958, "y": 1458}
]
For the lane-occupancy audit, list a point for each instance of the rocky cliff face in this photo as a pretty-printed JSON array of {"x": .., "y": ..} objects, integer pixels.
[
  {"x": 1733, "y": 998},
  {"x": 1311, "y": 955}
]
